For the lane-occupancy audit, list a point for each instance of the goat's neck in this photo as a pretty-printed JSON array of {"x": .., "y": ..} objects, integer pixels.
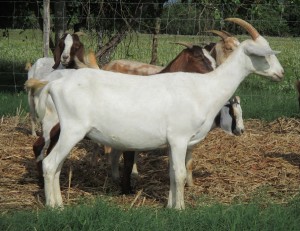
[{"x": 228, "y": 76}]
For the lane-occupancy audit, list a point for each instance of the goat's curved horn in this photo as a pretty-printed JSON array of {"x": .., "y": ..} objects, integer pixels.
[
  {"x": 188, "y": 45},
  {"x": 220, "y": 33},
  {"x": 247, "y": 26}
]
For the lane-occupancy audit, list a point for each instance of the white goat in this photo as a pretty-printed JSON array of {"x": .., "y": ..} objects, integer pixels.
[
  {"x": 128, "y": 113},
  {"x": 41, "y": 68}
]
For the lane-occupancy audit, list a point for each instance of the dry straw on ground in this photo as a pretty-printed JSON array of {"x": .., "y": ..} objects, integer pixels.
[{"x": 263, "y": 162}]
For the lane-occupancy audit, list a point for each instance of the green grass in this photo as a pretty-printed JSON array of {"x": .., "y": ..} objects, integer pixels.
[
  {"x": 12, "y": 104},
  {"x": 260, "y": 99},
  {"x": 99, "y": 215}
]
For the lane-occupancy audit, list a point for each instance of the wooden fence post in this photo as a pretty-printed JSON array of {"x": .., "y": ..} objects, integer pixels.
[{"x": 46, "y": 27}]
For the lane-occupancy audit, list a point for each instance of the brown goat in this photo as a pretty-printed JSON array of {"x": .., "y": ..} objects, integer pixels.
[
  {"x": 192, "y": 59},
  {"x": 132, "y": 67}
]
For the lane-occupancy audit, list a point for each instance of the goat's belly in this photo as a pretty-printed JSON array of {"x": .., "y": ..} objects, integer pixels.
[
  {"x": 128, "y": 142},
  {"x": 200, "y": 135}
]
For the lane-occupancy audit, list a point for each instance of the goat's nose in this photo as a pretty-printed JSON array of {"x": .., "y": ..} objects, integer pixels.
[{"x": 65, "y": 57}]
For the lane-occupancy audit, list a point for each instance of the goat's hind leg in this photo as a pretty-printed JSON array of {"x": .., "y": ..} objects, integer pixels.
[
  {"x": 52, "y": 165},
  {"x": 115, "y": 159}
]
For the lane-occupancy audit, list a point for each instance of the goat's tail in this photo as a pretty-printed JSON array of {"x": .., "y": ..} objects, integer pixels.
[
  {"x": 89, "y": 61},
  {"x": 33, "y": 85},
  {"x": 27, "y": 66},
  {"x": 39, "y": 89}
]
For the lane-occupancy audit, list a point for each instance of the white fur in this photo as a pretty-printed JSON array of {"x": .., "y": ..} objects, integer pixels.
[
  {"x": 65, "y": 56},
  {"x": 210, "y": 58},
  {"x": 39, "y": 70},
  {"x": 226, "y": 121}
]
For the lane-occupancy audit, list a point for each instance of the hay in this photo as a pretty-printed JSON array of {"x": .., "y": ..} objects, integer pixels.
[{"x": 226, "y": 168}]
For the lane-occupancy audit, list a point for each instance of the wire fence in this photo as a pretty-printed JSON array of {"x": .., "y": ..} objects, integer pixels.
[{"x": 23, "y": 41}]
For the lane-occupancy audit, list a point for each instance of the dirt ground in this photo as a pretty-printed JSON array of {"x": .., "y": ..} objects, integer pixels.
[{"x": 262, "y": 163}]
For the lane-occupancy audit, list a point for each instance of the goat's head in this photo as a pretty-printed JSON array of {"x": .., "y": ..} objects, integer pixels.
[
  {"x": 68, "y": 47},
  {"x": 192, "y": 59},
  {"x": 235, "y": 110},
  {"x": 225, "y": 47},
  {"x": 230, "y": 117},
  {"x": 262, "y": 59}
]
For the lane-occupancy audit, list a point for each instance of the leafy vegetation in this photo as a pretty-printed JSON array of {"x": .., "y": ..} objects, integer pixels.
[{"x": 271, "y": 17}]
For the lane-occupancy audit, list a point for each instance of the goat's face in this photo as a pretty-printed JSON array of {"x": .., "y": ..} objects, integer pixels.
[
  {"x": 263, "y": 60},
  {"x": 199, "y": 60},
  {"x": 66, "y": 50},
  {"x": 68, "y": 47},
  {"x": 235, "y": 110},
  {"x": 230, "y": 44},
  {"x": 224, "y": 48},
  {"x": 231, "y": 117}
]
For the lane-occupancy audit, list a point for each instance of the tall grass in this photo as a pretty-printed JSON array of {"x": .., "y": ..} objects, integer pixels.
[{"x": 99, "y": 215}]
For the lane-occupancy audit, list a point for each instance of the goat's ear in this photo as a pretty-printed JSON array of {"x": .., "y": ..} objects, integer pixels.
[
  {"x": 80, "y": 52},
  {"x": 56, "y": 54},
  {"x": 259, "y": 51}
]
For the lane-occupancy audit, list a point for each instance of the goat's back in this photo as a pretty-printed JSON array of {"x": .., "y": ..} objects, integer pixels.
[{"x": 132, "y": 67}]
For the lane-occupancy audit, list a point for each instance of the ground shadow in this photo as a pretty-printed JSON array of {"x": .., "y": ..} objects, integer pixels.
[{"x": 292, "y": 158}]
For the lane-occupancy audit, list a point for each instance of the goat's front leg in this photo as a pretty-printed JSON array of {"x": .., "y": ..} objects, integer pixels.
[{"x": 177, "y": 175}]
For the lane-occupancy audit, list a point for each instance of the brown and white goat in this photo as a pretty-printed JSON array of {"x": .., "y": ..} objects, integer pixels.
[
  {"x": 193, "y": 59},
  {"x": 66, "y": 49}
]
